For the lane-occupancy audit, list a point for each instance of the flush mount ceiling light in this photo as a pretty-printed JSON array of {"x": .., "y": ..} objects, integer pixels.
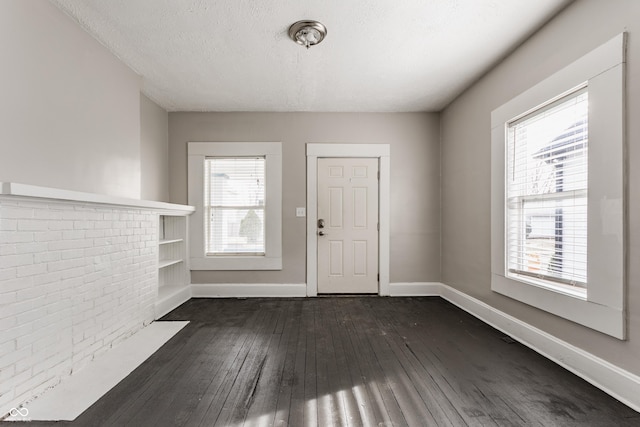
[{"x": 307, "y": 33}]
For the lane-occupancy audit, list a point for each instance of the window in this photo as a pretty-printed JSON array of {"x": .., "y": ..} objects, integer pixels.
[
  {"x": 557, "y": 185},
  {"x": 546, "y": 194},
  {"x": 236, "y": 190}
]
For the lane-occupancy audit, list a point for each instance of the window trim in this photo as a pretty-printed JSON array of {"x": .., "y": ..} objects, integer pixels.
[
  {"x": 604, "y": 307},
  {"x": 272, "y": 259}
]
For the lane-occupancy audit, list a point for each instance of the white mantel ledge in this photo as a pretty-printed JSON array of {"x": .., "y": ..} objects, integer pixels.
[{"x": 34, "y": 191}]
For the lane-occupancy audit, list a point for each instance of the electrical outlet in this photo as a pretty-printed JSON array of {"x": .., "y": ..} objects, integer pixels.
[{"x": 301, "y": 212}]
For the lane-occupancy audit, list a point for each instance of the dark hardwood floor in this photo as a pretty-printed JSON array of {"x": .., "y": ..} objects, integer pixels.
[{"x": 347, "y": 361}]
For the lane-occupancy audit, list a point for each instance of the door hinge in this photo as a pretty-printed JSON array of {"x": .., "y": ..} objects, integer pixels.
[
  {"x": 378, "y": 226},
  {"x": 378, "y": 175},
  {"x": 378, "y": 277}
]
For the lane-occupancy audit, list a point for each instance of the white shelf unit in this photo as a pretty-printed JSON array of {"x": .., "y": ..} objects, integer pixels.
[{"x": 173, "y": 269}]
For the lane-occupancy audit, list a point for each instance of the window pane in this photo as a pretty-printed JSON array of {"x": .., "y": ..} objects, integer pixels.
[
  {"x": 236, "y": 231},
  {"x": 235, "y": 203},
  {"x": 236, "y": 181},
  {"x": 552, "y": 241},
  {"x": 547, "y": 192}
]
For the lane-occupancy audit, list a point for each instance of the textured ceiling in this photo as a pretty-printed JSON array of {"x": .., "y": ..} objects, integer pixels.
[{"x": 379, "y": 55}]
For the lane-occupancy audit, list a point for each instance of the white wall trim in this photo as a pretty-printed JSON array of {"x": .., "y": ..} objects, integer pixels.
[
  {"x": 248, "y": 290},
  {"x": 415, "y": 289},
  {"x": 197, "y": 152},
  {"x": 617, "y": 382},
  {"x": 383, "y": 153},
  {"x": 348, "y": 150}
]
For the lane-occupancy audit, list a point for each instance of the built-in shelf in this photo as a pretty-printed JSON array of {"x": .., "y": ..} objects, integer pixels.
[
  {"x": 173, "y": 271},
  {"x": 166, "y": 242},
  {"x": 168, "y": 262}
]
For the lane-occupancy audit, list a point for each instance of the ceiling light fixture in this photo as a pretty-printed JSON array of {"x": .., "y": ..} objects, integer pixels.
[{"x": 307, "y": 33}]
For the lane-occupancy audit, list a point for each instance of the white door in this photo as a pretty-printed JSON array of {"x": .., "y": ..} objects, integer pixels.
[{"x": 347, "y": 225}]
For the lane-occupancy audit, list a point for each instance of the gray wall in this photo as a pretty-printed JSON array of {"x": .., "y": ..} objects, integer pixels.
[
  {"x": 466, "y": 166},
  {"x": 69, "y": 111},
  {"x": 415, "y": 180},
  {"x": 154, "y": 151}
]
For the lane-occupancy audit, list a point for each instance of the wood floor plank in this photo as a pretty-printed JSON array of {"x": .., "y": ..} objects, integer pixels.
[
  {"x": 435, "y": 387},
  {"x": 376, "y": 402},
  {"x": 382, "y": 400},
  {"x": 210, "y": 404},
  {"x": 172, "y": 367},
  {"x": 243, "y": 390},
  {"x": 397, "y": 391},
  {"x": 330, "y": 408},
  {"x": 344, "y": 381},
  {"x": 262, "y": 410},
  {"x": 448, "y": 360},
  {"x": 473, "y": 392},
  {"x": 297, "y": 403},
  {"x": 310, "y": 403},
  {"x": 289, "y": 345},
  {"x": 185, "y": 392},
  {"x": 170, "y": 394},
  {"x": 418, "y": 367},
  {"x": 414, "y": 409}
]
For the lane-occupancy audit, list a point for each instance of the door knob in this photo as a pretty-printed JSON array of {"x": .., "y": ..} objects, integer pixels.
[
  {"x": 321, "y": 223},
  {"x": 320, "y": 233}
]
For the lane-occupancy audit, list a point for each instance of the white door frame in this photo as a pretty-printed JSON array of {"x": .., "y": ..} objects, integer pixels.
[{"x": 383, "y": 153}]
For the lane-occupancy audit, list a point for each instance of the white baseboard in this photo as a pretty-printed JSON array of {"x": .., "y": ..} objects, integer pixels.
[
  {"x": 248, "y": 290},
  {"x": 172, "y": 300},
  {"x": 617, "y": 382},
  {"x": 415, "y": 289}
]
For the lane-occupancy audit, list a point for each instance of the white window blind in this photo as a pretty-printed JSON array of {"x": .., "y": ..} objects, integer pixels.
[
  {"x": 234, "y": 204},
  {"x": 546, "y": 193}
]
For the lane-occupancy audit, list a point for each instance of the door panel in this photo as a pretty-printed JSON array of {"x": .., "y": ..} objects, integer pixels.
[
  {"x": 336, "y": 258},
  {"x": 360, "y": 257},
  {"x": 360, "y": 207},
  {"x": 348, "y": 236},
  {"x": 335, "y": 207}
]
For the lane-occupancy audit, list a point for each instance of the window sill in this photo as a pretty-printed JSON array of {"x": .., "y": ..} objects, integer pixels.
[
  {"x": 569, "y": 291},
  {"x": 237, "y": 263},
  {"x": 608, "y": 320}
]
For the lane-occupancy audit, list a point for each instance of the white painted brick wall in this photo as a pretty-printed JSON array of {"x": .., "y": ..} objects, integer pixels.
[{"x": 75, "y": 279}]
